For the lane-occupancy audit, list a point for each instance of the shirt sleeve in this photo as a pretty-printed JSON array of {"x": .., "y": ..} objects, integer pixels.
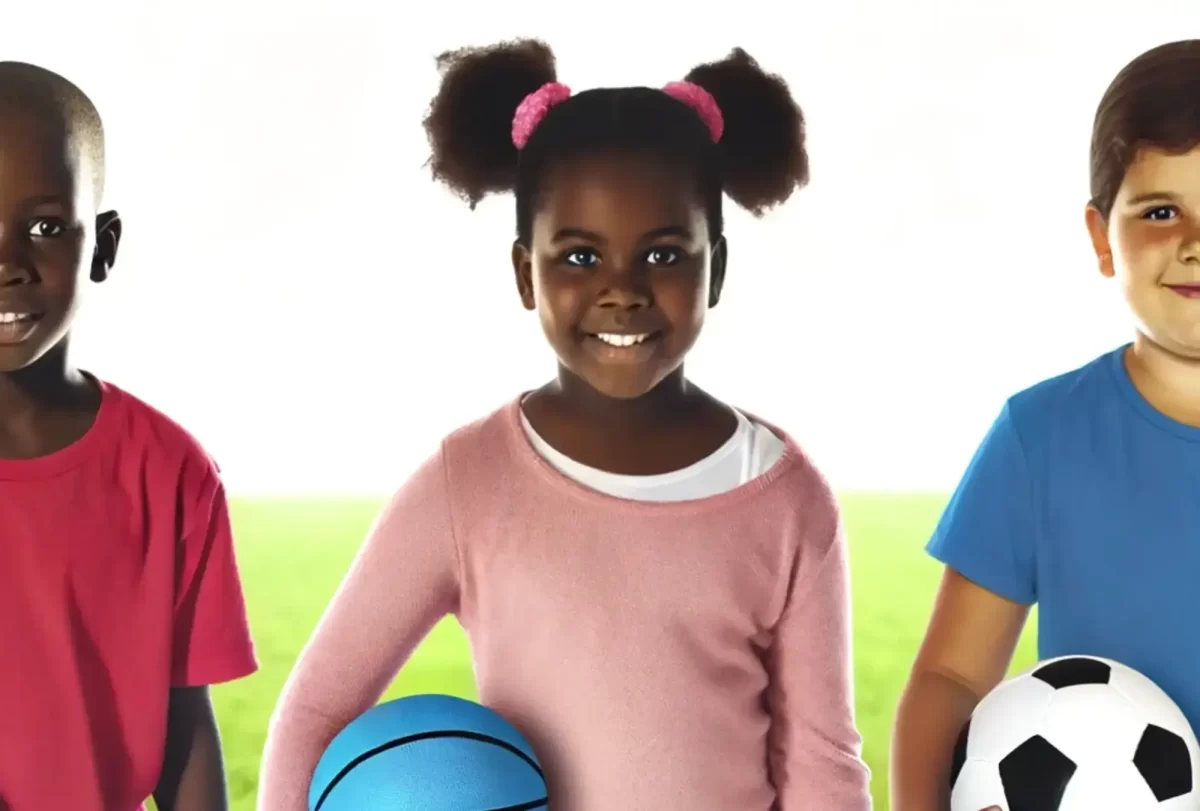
[
  {"x": 211, "y": 641},
  {"x": 404, "y": 579},
  {"x": 988, "y": 532},
  {"x": 815, "y": 751}
]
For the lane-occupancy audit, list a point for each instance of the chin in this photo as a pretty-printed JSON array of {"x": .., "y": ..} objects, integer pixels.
[
  {"x": 1182, "y": 344},
  {"x": 1190, "y": 352},
  {"x": 631, "y": 393},
  {"x": 620, "y": 386},
  {"x": 10, "y": 364},
  {"x": 21, "y": 357}
]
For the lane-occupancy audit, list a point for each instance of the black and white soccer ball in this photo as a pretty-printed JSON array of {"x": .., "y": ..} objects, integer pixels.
[{"x": 1077, "y": 733}]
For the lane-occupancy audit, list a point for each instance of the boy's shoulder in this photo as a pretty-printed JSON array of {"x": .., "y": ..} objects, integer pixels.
[
  {"x": 157, "y": 441},
  {"x": 1069, "y": 396}
]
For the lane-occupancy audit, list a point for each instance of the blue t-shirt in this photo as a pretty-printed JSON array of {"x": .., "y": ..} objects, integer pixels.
[{"x": 1086, "y": 500}]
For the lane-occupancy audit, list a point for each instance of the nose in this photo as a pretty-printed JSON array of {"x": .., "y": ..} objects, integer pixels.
[
  {"x": 623, "y": 299},
  {"x": 1190, "y": 252},
  {"x": 15, "y": 267},
  {"x": 625, "y": 289},
  {"x": 12, "y": 275}
]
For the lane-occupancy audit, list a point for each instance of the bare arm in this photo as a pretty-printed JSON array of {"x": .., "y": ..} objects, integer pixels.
[
  {"x": 966, "y": 652},
  {"x": 211, "y": 644},
  {"x": 193, "y": 776}
]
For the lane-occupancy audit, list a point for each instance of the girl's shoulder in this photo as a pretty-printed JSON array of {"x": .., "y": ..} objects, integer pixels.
[
  {"x": 794, "y": 458},
  {"x": 793, "y": 491}
]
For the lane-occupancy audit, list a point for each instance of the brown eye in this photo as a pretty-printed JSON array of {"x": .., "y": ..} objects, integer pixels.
[
  {"x": 581, "y": 257},
  {"x": 1160, "y": 213},
  {"x": 46, "y": 228},
  {"x": 663, "y": 256}
]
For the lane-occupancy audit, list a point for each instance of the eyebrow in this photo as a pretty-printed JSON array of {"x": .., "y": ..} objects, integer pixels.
[
  {"x": 42, "y": 199},
  {"x": 1151, "y": 197},
  {"x": 658, "y": 233}
]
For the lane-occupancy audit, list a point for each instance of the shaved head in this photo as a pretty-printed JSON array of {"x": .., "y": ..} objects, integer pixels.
[{"x": 62, "y": 106}]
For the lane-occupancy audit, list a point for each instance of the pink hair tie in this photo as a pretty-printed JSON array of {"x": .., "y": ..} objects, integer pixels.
[
  {"x": 533, "y": 109},
  {"x": 700, "y": 100}
]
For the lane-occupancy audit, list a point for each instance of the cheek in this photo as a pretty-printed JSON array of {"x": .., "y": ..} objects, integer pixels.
[
  {"x": 1142, "y": 249},
  {"x": 60, "y": 260},
  {"x": 559, "y": 303},
  {"x": 683, "y": 298}
]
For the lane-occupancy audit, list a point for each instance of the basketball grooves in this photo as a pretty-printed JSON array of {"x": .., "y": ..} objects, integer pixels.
[{"x": 425, "y": 736}]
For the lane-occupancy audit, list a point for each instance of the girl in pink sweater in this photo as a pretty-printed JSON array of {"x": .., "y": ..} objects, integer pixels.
[{"x": 654, "y": 583}]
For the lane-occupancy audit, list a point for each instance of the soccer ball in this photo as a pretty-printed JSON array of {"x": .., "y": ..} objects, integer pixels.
[{"x": 1077, "y": 733}]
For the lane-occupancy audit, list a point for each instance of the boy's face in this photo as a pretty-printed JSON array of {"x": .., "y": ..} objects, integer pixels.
[
  {"x": 1151, "y": 244},
  {"x": 48, "y": 235},
  {"x": 621, "y": 270}
]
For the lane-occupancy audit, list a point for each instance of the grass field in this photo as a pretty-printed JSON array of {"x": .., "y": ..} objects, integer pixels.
[{"x": 293, "y": 553}]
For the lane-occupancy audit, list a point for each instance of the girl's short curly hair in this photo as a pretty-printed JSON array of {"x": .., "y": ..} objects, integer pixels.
[{"x": 759, "y": 161}]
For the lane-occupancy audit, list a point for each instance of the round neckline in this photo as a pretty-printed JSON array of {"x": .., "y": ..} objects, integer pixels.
[
  {"x": 558, "y": 459},
  {"x": 529, "y": 457},
  {"x": 1139, "y": 403},
  {"x": 72, "y": 455}
]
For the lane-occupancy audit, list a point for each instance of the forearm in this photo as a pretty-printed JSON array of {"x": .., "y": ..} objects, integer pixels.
[
  {"x": 833, "y": 776},
  {"x": 193, "y": 774},
  {"x": 295, "y": 742},
  {"x": 202, "y": 790},
  {"x": 930, "y": 716}
]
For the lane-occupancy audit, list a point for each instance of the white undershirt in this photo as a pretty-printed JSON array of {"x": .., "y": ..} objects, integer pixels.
[{"x": 750, "y": 452}]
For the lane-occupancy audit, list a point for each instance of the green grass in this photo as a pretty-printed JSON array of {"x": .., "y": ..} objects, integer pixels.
[{"x": 293, "y": 554}]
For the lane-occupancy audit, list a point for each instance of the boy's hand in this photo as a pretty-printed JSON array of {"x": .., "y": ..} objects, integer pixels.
[{"x": 193, "y": 775}]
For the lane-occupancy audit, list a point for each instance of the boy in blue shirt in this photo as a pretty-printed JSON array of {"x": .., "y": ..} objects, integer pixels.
[{"x": 1084, "y": 497}]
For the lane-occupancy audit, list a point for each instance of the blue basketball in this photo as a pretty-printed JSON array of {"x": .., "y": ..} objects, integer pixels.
[{"x": 428, "y": 753}]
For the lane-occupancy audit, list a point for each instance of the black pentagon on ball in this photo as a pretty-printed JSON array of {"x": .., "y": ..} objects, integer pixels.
[
  {"x": 1035, "y": 775},
  {"x": 959, "y": 758},
  {"x": 1073, "y": 671},
  {"x": 1163, "y": 760}
]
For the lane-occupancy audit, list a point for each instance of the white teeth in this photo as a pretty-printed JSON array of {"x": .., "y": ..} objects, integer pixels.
[
  {"x": 11, "y": 318},
  {"x": 622, "y": 340}
]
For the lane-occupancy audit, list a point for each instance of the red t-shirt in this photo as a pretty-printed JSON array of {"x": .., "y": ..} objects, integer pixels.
[{"x": 117, "y": 582}]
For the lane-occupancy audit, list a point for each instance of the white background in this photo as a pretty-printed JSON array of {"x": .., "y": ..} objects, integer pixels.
[{"x": 297, "y": 292}]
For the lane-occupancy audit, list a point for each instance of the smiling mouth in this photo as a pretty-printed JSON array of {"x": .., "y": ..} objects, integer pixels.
[
  {"x": 17, "y": 317},
  {"x": 1186, "y": 290},
  {"x": 622, "y": 340},
  {"x": 16, "y": 326},
  {"x": 622, "y": 348}
]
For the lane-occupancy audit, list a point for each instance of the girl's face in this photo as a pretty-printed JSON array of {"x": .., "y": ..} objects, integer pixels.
[
  {"x": 1151, "y": 245},
  {"x": 620, "y": 270}
]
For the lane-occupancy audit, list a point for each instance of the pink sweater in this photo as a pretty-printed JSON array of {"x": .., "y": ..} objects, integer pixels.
[{"x": 686, "y": 656}]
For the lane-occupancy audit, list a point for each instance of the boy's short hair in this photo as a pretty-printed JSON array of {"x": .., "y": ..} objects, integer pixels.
[
  {"x": 45, "y": 92},
  {"x": 1153, "y": 102}
]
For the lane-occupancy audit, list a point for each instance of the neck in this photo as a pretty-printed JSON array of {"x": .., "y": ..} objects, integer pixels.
[
  {"x": 661, "y": 405},
  {"x": 1170, "y": 382},
  {"x": 49, "y": 382}
]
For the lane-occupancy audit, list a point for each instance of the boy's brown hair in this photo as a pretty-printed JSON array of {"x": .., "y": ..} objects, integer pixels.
[{"x": 1153, "y": 102}]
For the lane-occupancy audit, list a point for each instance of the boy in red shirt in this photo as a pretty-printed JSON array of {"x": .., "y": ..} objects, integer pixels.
[{"x": 119, "y": 593}]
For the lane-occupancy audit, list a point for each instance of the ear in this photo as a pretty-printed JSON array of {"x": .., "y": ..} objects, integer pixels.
[
  {"x": 522, "y": 261},
  {"x": 108, "y": 239},
  {"x": 716, "y": 271},
  {"x": 1097, "y": 226}
]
